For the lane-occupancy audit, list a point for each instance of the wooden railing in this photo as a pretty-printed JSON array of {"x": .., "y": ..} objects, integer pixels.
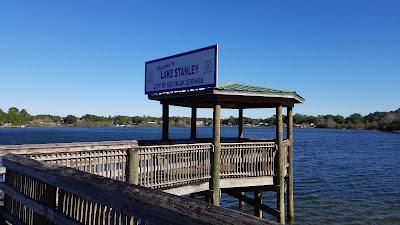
[
  {"x": 164, "y": 166},
  {"x": 44, "y": 193},
  {"x": 158, "y": 166},
  {"x": 107, "y": 158},
  {"x": 247, "y": 159}
]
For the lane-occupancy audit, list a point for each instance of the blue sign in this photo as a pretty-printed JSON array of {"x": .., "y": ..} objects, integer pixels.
[{"x": 190, "y": 70}]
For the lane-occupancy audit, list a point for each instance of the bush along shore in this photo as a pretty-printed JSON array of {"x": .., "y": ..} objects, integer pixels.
[{"x": 387, "y": 121}]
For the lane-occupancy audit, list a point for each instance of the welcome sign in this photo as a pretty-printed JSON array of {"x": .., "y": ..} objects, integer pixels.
[{"x": 189, "y": 70}]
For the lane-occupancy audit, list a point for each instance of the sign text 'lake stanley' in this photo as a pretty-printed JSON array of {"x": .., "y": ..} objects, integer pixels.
[{"x": 189, "y": 70}]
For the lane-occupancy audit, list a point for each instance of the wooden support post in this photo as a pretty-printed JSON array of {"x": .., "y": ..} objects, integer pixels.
[
  {"x": 193, "y": 123},
  {"x": 290, "y": 195},
  {"x": 216, "y": 156},
  {"x": 165, "y": 125},
  {"x": 280, "y": 179},
  {"x": 258, "y": 200},
  {"x": 132, "y": 171},
  {"x": 241, "y": 203},
  {"x": 240, "y": 124},
  {"x": 240, "y": 136}
]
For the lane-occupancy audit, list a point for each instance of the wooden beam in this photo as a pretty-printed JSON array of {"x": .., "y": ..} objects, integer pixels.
[
  {"x": 280, "y": 178},
  {"x": 240, "y": 124},
  {"x": 242, "y": 184},
  {"x": 193, "y": 121},
  {"x": 290, "y": 195},
  {"x": 228, "y": 102},
  {"x": 216, "y": 156},
  {"x": 273, "y": 188},
  {"x": 251, "y": 201},
  {"x": 165, "y": 125}
]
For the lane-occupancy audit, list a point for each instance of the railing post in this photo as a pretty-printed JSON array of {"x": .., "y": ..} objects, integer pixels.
[
  {"x": 240, "y": 124},
  {"x": 132, "y": 171},
  {"x": 280, "y": 200},
  {"x": 290, "y": 195},
  {"x": 165, "y": 124},
  {"x": 193, "y": 123},
  {"x": 216, "y": 156}
]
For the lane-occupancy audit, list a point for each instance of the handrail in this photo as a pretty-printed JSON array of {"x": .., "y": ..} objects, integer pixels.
[
  {"x": 105, "y": 199},
  {"x": 106, "y": 158},
  {"x": 67, "y": 147},
  {"x": 157, "y": 166}
]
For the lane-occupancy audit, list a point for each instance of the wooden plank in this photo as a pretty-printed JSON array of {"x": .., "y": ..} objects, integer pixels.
[{"x": 154, "y": 206}]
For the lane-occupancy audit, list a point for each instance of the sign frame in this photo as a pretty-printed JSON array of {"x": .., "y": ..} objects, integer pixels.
[{"x": 215, "y": 47}]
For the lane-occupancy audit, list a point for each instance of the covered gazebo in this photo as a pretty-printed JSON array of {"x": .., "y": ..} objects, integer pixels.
[{"x": 241, "y": 96}]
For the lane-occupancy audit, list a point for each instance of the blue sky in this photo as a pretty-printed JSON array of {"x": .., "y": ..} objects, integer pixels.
[{"x": 77, "y": 57}]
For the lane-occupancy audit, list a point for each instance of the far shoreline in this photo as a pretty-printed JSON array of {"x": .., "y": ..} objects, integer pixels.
[{"x": 188, "y": 126}]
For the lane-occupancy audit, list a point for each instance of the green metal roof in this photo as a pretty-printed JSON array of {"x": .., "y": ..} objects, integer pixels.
[
  {"x": 230, "y": 95},
  {"x": 231, "y": 86}
]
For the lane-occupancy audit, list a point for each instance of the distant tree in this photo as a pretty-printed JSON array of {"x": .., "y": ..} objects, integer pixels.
[
  {"x": 12, "y": 116},
  {"x": 122, "y": 120},
  {"x": 47, "y": 118},
  {"x": 137, "y": 120},
  {"x": 339, "y": 119},
  {"x": 355, "y": 119},
  {"x": 375, "y": 117},
  {"x": 391, "y": 121},
  {"x": 231, "y": 121},
  {"x": 3, "y": 117},
  {"x": 304, "y": 119},
  {"x": 271, "y": 121},
  {"x": 70, "y": 119},
  {"x": 94, "y": 118},
  {"x": 24, "y": 116}
]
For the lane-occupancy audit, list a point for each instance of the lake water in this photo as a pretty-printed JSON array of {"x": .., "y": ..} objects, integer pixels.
[{"x": 341, "y": 176}]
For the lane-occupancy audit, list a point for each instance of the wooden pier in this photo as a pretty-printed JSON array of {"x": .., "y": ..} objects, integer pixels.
[
  {"x": 42, "y": 193},
  {"x": 194, "y": 166}
]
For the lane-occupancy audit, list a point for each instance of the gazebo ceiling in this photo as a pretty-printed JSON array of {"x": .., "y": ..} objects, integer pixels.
[{"x": 230, "y": 95}]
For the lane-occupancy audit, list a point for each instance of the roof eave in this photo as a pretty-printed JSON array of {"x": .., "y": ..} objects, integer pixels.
[{"x": 293, "y": 96}]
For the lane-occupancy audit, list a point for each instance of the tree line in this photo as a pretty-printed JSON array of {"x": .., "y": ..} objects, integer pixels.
[{"x": 389, "y": 121}]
